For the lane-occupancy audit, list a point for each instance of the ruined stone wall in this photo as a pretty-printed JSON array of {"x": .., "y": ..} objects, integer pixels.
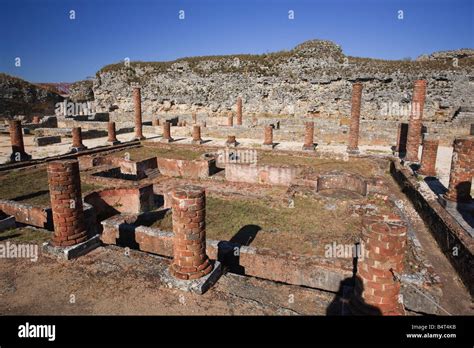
[{"x": 314, "y": 78}]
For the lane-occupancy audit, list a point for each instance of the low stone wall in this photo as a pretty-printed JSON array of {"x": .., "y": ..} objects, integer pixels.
[
  {"x": 43, "y": 141},
  {"x": 261, "y": 174},
  {"x": 27, "y": 213},
  {"x": 184, "y": 168},
  {"x": 109, "y": 202},
  {"x": 453, "y": 240}
]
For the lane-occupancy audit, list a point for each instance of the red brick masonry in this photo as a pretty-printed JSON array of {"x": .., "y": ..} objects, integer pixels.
[
  {"x": 428, "y": 157},
  {"x": 66, "y": 203},
  {"x": 385, "y": 241},
  {"x": 189, "y": 227},
  {"x": 355, "y": 117},
  {"x": 415, "y": 122},
  {"x": 137, "y": 102},
  {"x": 268, "y": 135},
  {"x": 462, "y": 170},
  {"x": 239, "y": 111}
]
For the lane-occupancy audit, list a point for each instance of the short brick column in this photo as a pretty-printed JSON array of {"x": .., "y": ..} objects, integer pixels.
[
  {"x": 268, "y": 137},
  {"x": 472, "y": 129},
  {"x": 376, "y": 290},
  {"x": 77, "y": 144},
  {"x": 16, "y": 138},
  {"x": 197, "y": 135},
  {"x": 36, "y": 119},
  {"x": 230, "y": 120},
  {"x": 239, "y": 111},
  {"x": 112, "y": 139},
  {"x": 401, "y": 147},
  {"x": 231, "y": 141},
  {"x": 155, "y": 122},
  {"x": 66, "y": 203},
  {"x": 189, "y": 227},
  {"x": 415, "y": 121},
  {"x": 166, "y": 132},
  {"x": 428, "y": 157},
  {"x": 353, "y": 146},
  {"x": 309, "y": 136},
  {"x": 194, "y": 117},
  {"x": 462, "y": 170},
  {"x": 137, "y": 102}
]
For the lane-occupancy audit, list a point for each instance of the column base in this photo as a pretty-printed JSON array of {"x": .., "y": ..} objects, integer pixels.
[
  {"x": 164, "y": 140},
  {"x": 19, "y": 157},
  {"x": 354, "y": 151},
  {"x": 112, "y": 143},
  {"x": 197, "y": 142},
  {"x": 73, "y": 251},
  {"x": 268, "y": 146},
  {"x": 309, "y": 148},
  {"x": 197, "y": 286},
  {"x": 139, "y": 138},
  {"x": 75, "y": 149},
  {"x": 234, "y": 144}
]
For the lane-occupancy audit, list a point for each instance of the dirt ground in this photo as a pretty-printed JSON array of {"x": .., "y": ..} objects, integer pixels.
[{"x": 107, "y": 281}]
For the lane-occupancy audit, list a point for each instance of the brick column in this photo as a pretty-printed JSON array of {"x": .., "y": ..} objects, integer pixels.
[
  {"x": 231, "y": 141},
  {"x": 462, "y": 170},
  {"x": 194, "y": 116},
  {"x": 239, "y": 111},
  {"x": 309, "y": 136},
  {"x": 16, "y": 139},
  {"x": 428, "y": 157},
  {"x": 36, "y": 119},
  {"x": 401, "y": 146},
  {"x": 155, "y": 122},
  {"x": 197, "y": 135},
  {"x": 415, "y": 122},
  {"x": 384, "y": 239},
  {"x": 112, "y": 134},
  {"x": 166, "y": 132},
  {"x": 189, "y": 227},
  {"x": 268, "y": 140},
  {"x": 66, "y": 203},
  {"x": 77, "y": 144},
  {"x": 230, "y": 120},
  {"x": 472, "y": 129},
  {"x": 353, "y": 146},
  {"x": 137, "y": 102}
]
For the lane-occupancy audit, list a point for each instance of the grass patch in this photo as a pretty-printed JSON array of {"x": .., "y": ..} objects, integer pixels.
[
  {"x": 141, "y": 153},
  {"x": 354, "y": 165},
  {"x": 305, "y": 229},
  {"x": 31, "y": 186},
  {"x": 25, "y": 235}
]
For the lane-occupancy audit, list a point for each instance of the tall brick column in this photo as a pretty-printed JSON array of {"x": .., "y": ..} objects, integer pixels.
[
  {"x": 353, "y": 146},
  {"x": 16, "y": 139},
  {"x": 428, "y": 157},
  {"x": 189, "y": 227},
  {"x": 376, "y": 291},
  {"x": 230, "y": 120},
  {"x": 137, "y": 102},
  {"x": 268, "y": 140},
  {"x": 77, "y": 144},
  {"x": 197, "y": 135},
  {"x": 66, "y": 203},
  {"x": 166, "y": 132},
  {"x": 112, "y": 139},
  {"x": 239, "y": 111},
  {"x": 309, "y": 136},
  {"x": 462, "y": 170},
  {"x": 415, "y": 121}
]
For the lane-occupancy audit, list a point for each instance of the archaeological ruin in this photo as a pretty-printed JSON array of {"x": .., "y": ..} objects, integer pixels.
[{"x": 319, "y": 199}]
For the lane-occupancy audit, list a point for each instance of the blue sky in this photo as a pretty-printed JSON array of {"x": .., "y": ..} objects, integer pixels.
[{"x": 54, "y": 48}]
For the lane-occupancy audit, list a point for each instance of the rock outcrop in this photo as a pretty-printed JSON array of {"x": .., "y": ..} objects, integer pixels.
[
  {"x": 19, "y": 97},
  {"x": 313, "y": 78}
]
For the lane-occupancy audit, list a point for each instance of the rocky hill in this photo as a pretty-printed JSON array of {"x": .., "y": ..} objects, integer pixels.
[
  {"x": 19, "y": 97},
  {"x": 313, "y": 78}
]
